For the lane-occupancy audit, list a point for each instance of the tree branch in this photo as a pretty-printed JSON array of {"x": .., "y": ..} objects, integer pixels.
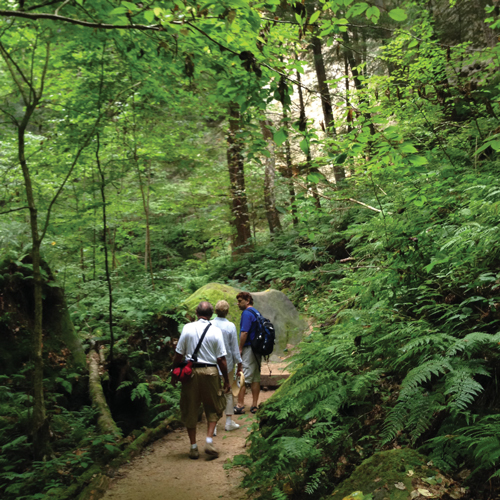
[
  {"x": 13, "y": 210},
  {"x": 53, "y": 17},
  {"x": 140, "y": 27}
]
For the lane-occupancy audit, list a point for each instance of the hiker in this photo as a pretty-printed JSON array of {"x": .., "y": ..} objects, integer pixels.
[
  {"x": 233, "y": 356},
  {"x": 204, "y": 386},
  {"x": 251, "y": 361}
]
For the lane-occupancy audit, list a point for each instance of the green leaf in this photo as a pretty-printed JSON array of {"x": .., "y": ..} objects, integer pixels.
[
  {"x": 304, "y": 145},
  {"x": 131, "y": 6},
  {"x": 149, "y": 15},
  {"x": 407, "y": 147},
  {"x": 398, "y": 14},
  {"x": 341, "y": 158},
  {"x": 418, "y": 160},
  {"x": 315, "y": 177},
  {"x": 420, "y": 202},
  {"x": 118, "y": 10},
  {"x": 314, "y": 17},
  {"x": 280, "y": 136},
  {"x": 373, "y": 13}
]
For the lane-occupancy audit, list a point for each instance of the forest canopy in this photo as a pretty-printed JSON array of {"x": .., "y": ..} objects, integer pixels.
[{"x": 344, "y": 152}]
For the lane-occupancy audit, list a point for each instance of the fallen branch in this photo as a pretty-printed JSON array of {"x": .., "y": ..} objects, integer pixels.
[
  {"x": 352, "y": 200},
  {"x": 105, "y": 421}
]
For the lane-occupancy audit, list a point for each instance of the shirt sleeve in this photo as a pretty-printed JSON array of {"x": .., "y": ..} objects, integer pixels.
[
  {"x": 234, "y": 344},
  {"x": 246, "y": 321},
  {"x": 181, "y": 343}
]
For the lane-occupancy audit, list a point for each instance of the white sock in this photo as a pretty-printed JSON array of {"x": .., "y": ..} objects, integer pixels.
[
  {"x": 194, "y": 446},
  {"x": 210, "y": 440},
  {"x": 228, "y": 419}
]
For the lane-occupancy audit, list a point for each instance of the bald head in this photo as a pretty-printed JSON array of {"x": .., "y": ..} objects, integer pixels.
[{"x": 204, "y": 310}]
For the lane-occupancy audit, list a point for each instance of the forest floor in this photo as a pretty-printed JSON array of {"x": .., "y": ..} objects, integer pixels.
[{"x": 165, "y": 472}]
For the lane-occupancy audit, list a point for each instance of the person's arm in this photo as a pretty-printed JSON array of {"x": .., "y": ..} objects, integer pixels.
[
  {"x": 236, "y": 351},
  {"x": 243, "y": 339},
  {"x": 178, "y": 359},
  {"x": 222, "y": 363},
  {"x": 245, "y": 327}
]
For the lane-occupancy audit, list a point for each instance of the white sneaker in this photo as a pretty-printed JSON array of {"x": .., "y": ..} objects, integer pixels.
[
  {"x": 232, "y": 426},
  {"x": 215, "y": 431}
]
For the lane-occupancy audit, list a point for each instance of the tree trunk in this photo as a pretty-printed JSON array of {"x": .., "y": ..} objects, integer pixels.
[
  {"x": 105, "y": 421},
  {"x": 289, "y": 172},
  {"x": 269, "y": 179},
  {"x": 326, "y": 100},
  {"x": 241, "y": 239},
  {"x": 40, "y": 428},
  {"x": 106, "y": 260},
  {"x": 303, "y": 128},
  {"x": 348, "y": 54}
]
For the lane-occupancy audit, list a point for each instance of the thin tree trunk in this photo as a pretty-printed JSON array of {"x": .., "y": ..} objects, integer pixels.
[
  {"x": 106, "y": 262},
  {"x": 289, "y": 172},
  {"x": 113, "y": 251},
  {"x": 326, "y": 101},
  {"x": 82, "y": 261},
  {"x": 303, "y": 128},
  {"x": 241, "y": 239},
  {"x": 349, "y": 55},
  {"x": 40, "y": 428},
  {"x": 145, "y": 202},
  {"x": 269, "y": 179},
  {"x": 148, "y": 232}
]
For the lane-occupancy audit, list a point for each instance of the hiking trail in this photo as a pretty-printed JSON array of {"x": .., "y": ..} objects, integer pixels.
[{"x": 165, "y": 472}]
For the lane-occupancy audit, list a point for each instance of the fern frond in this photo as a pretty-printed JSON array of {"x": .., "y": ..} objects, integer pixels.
[
  {"x": 424, "y": 373},
  {"x": 462, "y": 388}
]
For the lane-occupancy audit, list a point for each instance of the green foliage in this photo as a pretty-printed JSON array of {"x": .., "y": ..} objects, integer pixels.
[{"x": 399, "y": 265}]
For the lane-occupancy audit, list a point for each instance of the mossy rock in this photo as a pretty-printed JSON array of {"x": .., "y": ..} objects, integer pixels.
[
  {"x": 272, "y": 304},
  {"x": 379, "y": 475},
  {"x": 213, "y": 292},
  {"x": 17, "y": 319}
]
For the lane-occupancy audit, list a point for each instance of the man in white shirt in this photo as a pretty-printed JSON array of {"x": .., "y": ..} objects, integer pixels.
[
  {"x": 232, "y": 356},
  {"x": 204, "y": 385}
]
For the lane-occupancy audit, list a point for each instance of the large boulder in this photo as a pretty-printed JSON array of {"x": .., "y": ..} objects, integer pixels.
[
  {"x": 61, "y": 342},
  {"x": 272, "y": 304}
]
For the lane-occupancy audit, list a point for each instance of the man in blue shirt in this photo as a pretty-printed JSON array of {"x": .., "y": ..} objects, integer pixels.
[{"x": 251, "y": 361}]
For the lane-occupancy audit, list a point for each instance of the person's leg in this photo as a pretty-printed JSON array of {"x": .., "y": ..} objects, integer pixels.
[
  {"x": 229, "y": 399},
  {"x": 255, "y": 386},
  {"x": 192, "y": 435},
  {"x": 247, "y": 372},
  {"x": 214, "y": 405},
  {"x": 241, "y": 396},
  {"x": 210, "y": 429},
  {"x": 190, "y": 402}
]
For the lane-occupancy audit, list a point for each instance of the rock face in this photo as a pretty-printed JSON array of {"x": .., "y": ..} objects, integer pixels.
[
  {"x": 17, "y": 317},
  {"x": 272, "y": 304}
]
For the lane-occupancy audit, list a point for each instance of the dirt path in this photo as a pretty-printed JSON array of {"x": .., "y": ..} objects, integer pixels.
[{"x": 165, "y": 472}]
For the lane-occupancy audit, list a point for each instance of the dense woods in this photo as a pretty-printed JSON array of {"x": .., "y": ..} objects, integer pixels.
[{"x": 344, "y": 152}]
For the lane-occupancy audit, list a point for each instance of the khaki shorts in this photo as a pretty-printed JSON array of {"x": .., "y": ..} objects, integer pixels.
[
  {"x": 251, "y": 365},
  {"x": 203, "y": 387}
]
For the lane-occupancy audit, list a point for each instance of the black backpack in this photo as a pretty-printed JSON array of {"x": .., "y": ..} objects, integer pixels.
[{"x": 265, "y": 336}]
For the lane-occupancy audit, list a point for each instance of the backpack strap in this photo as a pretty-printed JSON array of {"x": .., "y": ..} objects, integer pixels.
[
  {"x": 255, "y": 313},
  {"x": 194, "y": 357}
]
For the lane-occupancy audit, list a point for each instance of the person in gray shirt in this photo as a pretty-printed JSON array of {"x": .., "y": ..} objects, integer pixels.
[{"x": 233, "y": 356}]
